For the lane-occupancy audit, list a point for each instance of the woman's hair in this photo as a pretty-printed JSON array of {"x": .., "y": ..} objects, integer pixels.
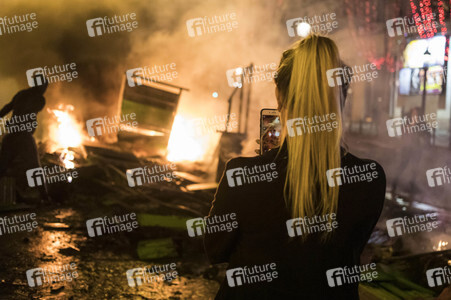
[{"x": 305, "y": 95}]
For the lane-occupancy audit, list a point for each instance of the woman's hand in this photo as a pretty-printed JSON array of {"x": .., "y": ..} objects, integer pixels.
[{"x": 258, "y": 150}]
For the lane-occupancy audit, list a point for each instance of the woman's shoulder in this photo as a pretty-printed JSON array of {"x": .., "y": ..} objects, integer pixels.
[
  {"x": 364, "y": 170},
  {"x": 350, "y": 159},
  {"x": 363, "y": 187}
]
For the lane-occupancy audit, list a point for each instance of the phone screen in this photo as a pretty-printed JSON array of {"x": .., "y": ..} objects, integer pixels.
[{"x": 270, "y": 129}]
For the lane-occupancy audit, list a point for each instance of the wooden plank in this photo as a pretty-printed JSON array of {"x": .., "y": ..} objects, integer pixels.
[
  {"x": 367, "y": 292},
  {"x": 155, "y": 249},
  {"x": 202, "y": 186},
  {"x": 152, "y": 220}
]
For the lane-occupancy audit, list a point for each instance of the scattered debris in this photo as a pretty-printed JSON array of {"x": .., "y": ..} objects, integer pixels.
[{"x": 69, "y": 251}]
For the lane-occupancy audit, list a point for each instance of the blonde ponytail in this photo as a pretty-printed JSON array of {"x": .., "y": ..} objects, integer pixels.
[{"x": 305, "y": 93}]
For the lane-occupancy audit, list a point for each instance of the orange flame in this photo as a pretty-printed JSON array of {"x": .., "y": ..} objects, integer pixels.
[
  {"x": 64, "y": 133},
  {"x": 183, "y": 144}
]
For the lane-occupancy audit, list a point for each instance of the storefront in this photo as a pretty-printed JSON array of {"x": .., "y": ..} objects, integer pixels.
[{"x": 420, "y": 57}]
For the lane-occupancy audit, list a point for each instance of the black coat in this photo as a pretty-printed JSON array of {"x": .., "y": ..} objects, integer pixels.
[{"x": 262, "y": 238}]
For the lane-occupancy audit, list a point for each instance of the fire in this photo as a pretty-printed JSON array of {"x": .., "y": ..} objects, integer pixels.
[
  {"x": 441, "y": 246},
  {"x": 64, "y": 133},
  {"x": 67, "y": 157},
  {"x": 183, "y": 144},
  {"x": 67, "y": 133}
]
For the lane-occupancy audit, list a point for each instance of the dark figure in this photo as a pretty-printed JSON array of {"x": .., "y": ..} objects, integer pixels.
[
  {"x": 19, "y": 152},
  {"x": 308, "y": 258}
]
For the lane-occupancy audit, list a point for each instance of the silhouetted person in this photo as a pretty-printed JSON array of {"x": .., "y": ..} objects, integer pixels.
[{"x": 19, "y": 152}]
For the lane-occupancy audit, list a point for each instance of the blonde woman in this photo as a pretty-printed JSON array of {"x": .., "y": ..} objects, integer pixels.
[{"x": 303, "y": 212}]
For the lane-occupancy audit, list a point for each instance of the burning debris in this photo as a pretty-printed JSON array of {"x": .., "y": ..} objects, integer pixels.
[
  {"x": 184, "y": 133},
  {"x": 65, "y": 133}
]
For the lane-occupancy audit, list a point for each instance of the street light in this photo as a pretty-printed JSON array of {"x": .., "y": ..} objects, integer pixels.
[
  {"x": 426, "y": 57},
  {"x": 303, "y": 29}
]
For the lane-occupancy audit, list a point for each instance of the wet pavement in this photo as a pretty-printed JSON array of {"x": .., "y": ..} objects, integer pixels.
[{"x": 101, "y": 262}]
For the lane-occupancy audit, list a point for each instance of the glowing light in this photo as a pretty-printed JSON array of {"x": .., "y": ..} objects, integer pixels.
[
  {"x": 145, "y": 131},
  {"x": 215, "y": 95},
  {"x": 441, "y": 246},
  {"x": 441, "y": 17},
  {"x": 64, "y": 133},
  {"x": 414, "y": 52},
  {"x": 67, "y": 158},
  {"x": 183, "y": 144},
  {"x": 424, "y": 18},
  {"x": 67, "y": 131},
  {"x": 303, "y": 29}
]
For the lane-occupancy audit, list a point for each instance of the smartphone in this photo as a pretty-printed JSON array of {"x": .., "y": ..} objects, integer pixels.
[{"x": 270, "y": 129}]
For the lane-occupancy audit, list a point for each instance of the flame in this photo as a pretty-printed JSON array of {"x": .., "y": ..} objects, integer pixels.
[
  {"x": 145, "y": 131},
  {"x": 64, "y": 133},
  {"x": 67, "y": 133},
  {"x": 67, "y": 157},
  {"x": 441, "y": 246},
  {"x": 183, "y": 144}
]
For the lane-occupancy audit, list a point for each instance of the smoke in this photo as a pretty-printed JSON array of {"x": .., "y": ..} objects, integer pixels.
[
  {"x": 161, "y": 38},
  {"x": 62, "y": 38}
]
